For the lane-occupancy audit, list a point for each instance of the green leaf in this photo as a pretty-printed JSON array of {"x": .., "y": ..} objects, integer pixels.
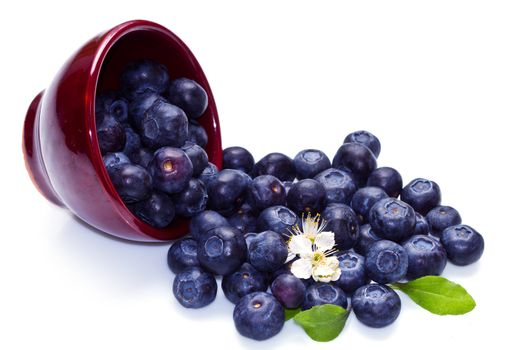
[
  {"x": 290, "y": 313},
  {"x": 438, "y": 295},
  {"x": 322, "y": 322}
]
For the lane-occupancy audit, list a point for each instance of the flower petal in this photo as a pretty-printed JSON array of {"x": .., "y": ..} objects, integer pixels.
[
  {"x": 290, "y": 257},
  {"x": 336, "y": 274},
  {"x": 324, "y": 241},
  {"x": 302, "y": 268},
  {"x": 299, "y": 244}
]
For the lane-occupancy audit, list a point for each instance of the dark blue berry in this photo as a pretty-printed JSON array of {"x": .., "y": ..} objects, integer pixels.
[
  {"x": 289, "y": 290},
  {"x": 306, "y": 195},
  {"x": 342, "y": 221},
  {"x": 227, "y": 191},
  {"x": 194, "y": 288},
  {"x": 266, "y": 191},
  {"x": 386, "y": 262},
  {"x": 287, "y": 185},
  {"x": 244, "y": 219},
  {"x": 258, "y": 316},
  {"x": 267, "y": 252},
  {"x": 278, "y": 219},
  {"x": 389, "y": 179},
  {"x": 367, "y": 237},
  {"x": 197, "y": 134},
  {"x": 421, "y": 227},
  {"x": 338, "y": 184},
  {"x": 376, "y": 305},
  {"x": 192, "y": 200},
  {"x": 392, "y": 219},
  {"x": 367, "y": 139},
  {"x": 249, "y": 238},
  {"x": 164, "y": 125},
  {"x": 364, "y": 199},
  {"x": 309, "y": 163},
  {"x": 144, "y": 76},
  {"x": 132, "y": 182},
  {"x": 222, "y": 250},
  {"x": 422, "y": 195},
  {"x": 182, "y": 254},
  {"x": 238, "y": 158},
  {"x": 209, "y": 173},
  {"x": 242, "y": 282},
  {"x": 426, "y": 256},
  {"x": 442, "y": 217},
  {"x": 188, "y": 95},
  {"x": 206, "y": 221},
  {"x": 141, "y": 157},
  {"x": 111, "y": 135},
  {"x": 114, "y": 159},
  {"x": 171, "y": 169},
  {"x": 353, "y": 271},
  {"x": 157, "y": 210},
  {"x": 463, "y": 244},
  {"x": 356, "y": 159},
  {"x": 324, "y": 293},
  {"x": 140, "y": 104},
  {"x": 132, "y": 144},
  {"x": 198, "y": 157},
  {"x": 276, "y": 164},
  {"x": 110, "y": 103}
]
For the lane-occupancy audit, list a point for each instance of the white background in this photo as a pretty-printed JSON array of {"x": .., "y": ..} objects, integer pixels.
[{"x": 441, "y": 83}]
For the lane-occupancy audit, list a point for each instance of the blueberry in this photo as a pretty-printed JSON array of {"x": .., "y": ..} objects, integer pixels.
[
  {"x": 258, "y": 316},
  {"x": 287, "y": 185},
  {"x": 197, "y": 134},
  {"x": 367, "y": 139},
  {"x": 426, "y": 256},
  {"x": 356, "y": 159},
  {"x": 306, "y": 196},
  {"x": 421, "y": 227},
  {"x": 238, "y": 158},
  {"x": 188, "y": 95},
  {"x": 206, "y": 221},
  {"x": 310, "y": 162},
  {"x": 132, "y": 182},
  {"x": 422, "y": 195},
  {"x": 170, "y": 169},
  {"x": 249, "y": 238},
  {"x": 227, "y": 191},
  {"x": 242, "y": 282},
  {"x": 141, "y": 157},
  {"x": 266, "y": 191},
  {"x": 353, "y": 271},
  {"x": 338, "y": 184},
  {"x": 111, "y": 135},
  {"x": 463, "y": 244},
  {"x": 244, "y": 219},
  {"x": 198, "y": 157},
  {"x": 222, "y": 250},
  {"x": 194, "y": 288},
  {"x": 389, "y": 179},
  {"x": 115, "y": 159},
  {"x": 392, "y": 219},
  {"x": 157, "y": 210},
  {"x": 182, "y": 254},
  {"x": 164, "y": 125},
  {"x": 442, "y": 217},
  {"x": 267, "y": 252},
  {"x": 209, "y": 173},
  {"x": 289, "y": 290},
  {"x": 132, "y": 144},
  {"x": 367, "y": 237},
  {"x": 342, "y": 221},
  {"x": 144, "y": 76},
  {"x": 386, "y": 262},
  {"x": 376, "y": 305},
  {"x": 364, "y": 199},
  {"x": 140, "y": 104},
  {"x": 276, "y": 164},
  {"x": 192, "y": 200},
  {"x": 324, "y": 293},
  {"x": 112, "y": 104},
  {"x": 278, "y": 219}
]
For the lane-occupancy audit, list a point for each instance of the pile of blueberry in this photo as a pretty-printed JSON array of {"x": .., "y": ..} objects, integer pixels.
[
  {"x": 242, "y": 216},
  {"x": 152, "y": 143}
]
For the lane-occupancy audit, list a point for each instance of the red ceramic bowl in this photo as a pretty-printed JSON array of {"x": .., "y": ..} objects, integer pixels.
[{"x": 60, "y": 141}]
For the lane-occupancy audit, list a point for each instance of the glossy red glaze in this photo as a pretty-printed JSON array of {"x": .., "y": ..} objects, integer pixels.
[{"x": 60, "y": 140}]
